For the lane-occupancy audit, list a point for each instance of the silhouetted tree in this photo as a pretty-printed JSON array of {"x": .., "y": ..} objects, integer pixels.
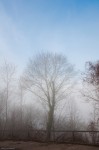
[
  {"x": 48, "y": 77},
  {"x": 92, "y": 90},
  {"x": 92, "y": 78}
]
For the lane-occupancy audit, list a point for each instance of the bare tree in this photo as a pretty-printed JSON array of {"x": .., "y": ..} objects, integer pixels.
[
  {"x": 48, "y": 77},
  {"x": 92, "y": 78},
  {"x": 91, "y": 93},
  {"x": 7, "y": 72},
  {"x": 74, "y": 115},
  {"x": 2, "y": 107},
  {"x": 21, "y": 97}
]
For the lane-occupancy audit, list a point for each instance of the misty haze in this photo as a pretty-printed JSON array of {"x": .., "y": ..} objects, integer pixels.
[{"x": 49, "y": 74}]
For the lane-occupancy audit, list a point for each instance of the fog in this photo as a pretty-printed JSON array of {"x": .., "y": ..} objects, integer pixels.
[
  {"x": 49, "y": 70},
  {"x": 48, "y": 95}
]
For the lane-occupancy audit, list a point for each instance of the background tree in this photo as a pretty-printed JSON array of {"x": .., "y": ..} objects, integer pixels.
[
  {"x": 2, "y": 108},
  {"x": 49, "y": 77},
  {"x": 21, "y": 98},
  {"x": 7, "y": 72}
]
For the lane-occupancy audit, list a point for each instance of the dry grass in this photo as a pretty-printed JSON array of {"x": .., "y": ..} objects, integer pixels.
[{"x": 42, "y": 146}]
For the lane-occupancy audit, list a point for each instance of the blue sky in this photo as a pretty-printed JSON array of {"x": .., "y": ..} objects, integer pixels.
[{"x": 69, "y": 27}]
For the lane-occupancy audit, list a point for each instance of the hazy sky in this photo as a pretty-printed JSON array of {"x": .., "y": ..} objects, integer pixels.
[{"x": 70, "y": 27}]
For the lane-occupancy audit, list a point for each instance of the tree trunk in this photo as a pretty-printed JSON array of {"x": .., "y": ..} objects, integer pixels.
[{"x": 49, "y": 123}]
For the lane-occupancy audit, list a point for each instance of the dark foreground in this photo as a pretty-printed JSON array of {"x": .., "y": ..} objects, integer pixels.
[{"x": 10, "y": 145}]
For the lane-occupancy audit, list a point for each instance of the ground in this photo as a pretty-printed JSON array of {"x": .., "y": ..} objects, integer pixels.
[{"x": 10, "y": 145}]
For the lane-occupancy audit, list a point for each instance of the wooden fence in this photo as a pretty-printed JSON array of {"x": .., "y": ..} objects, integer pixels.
[{"x": 75, "y": 137}]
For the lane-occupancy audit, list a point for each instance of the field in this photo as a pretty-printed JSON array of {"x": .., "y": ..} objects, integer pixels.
[{"x": 10, "y": 145}]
